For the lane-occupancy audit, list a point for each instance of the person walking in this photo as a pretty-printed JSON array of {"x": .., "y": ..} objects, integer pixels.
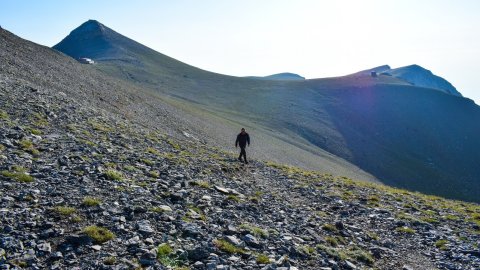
[{"x": 243, "y": 139}]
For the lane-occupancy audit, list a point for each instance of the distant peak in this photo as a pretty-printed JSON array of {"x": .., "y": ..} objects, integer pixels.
[
  {"x": 420, "y": 76},
  {"x": 285, "y": 76},
  {"x": 92, "y": 26}
]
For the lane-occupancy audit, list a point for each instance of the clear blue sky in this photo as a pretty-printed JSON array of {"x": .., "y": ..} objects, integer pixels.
[{"x": 252, "y": 37}]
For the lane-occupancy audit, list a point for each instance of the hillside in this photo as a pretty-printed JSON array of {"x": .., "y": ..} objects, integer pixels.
[
  {"x": 85, "y": 185},
  {"x": 401, "y": 134}
]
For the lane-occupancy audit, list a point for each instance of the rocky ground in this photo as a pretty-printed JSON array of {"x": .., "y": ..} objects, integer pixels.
[{"x": 82, "y": 188}]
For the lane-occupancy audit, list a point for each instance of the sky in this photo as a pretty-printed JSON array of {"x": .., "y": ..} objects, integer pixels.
[{"x": 313, "y": 38}]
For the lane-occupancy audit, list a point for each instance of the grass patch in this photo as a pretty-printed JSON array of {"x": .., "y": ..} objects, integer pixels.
[
  {"x": 110, "y": 260},
  {"x": 166, "y": 257},
  {"x": 4, "y": 115},
  {"x": 373, "y": 236},
  {"x": 35, "y": 131},
  {"x": 431, "y": 220},
  {"x": 39, "y": 120},
  {"x": 234, "y": 198},
  {"x": 99, "y": 126},
  {"x": 360, "y": 255},
  {"x": 202, "y": 184},
  {"x": 91, "y": 201},
  {"x": 329, "y": 227},
  {"x": 441, "y": 244},
  {"x": 130, "y": 168},
  {"x": 405, "y": 230},
  {"x": 256, "y": 231},
  {"x": 332, "y": 241},
  {"x": 452, "y": 217},
  {"x": 147, "y": 161},
  {"x": 64, "y": 210},
  {"x": 262, "y": 259},
  {"x": 18, "y": 174},
  {"x": 154, "y": 174},
  {"x": 28, "y": 146},
  {"x": 332, "y": 252},
  {"x": 153, "y": 151},
  {"x": 98, "y": 234},
  {"x": 225, "y": 246},
  {"x": 114, "y": 175}
]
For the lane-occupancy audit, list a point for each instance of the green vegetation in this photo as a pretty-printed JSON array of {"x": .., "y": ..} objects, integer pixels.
[
  {"x": 430, "y": 220},
  {"x": 234, "y": 198},
  {"x": 154, "y": 174},
  {"x": 308, "y": 250},
  {"x": 166, "y": 257},
  {"x": 98, "y": 126},
  {"x": 4, "y": 115},
  {"x": 28, "y": 146},
  {"x": 329, "y": 227},
  {"x": 360, "y": 255},
  {"x": 175, "y": 145},
  {"x": 19, "y": 263},
  {"x": 256, "y": 231},
  {"x": 202, "y": 184},
  {"x": 262, "y": 259},
  {"x": 18, "y": 174},
  {"x": 441, "y": 244},
  {"x": 110, "y": 260},
  {"x": 198, "y": 211},
  {"x": 373, "y": 236},
  {"x": 129, "y": 168},
  {"x": 405, "y": 230},
  {"x": 452, "y": 217},
  {"x": 225, "y": 246},
  {"x": 153, "y": 151},
  {"x": 98, "y": 234},
  {"x": 353, "y": 253},
  {"x": 39, "y": 120},
  {"x": 64, "y": 210},
  {"x": 147, "y": 162},
  {"x": 332, "y": 252},
  {"x": 332, "y": 241},
  {"x": 35, "y": 131},
  {"x": 113, "y": 175},
  {"x": 91, "y": 201},
  {"x": 164, "y": 250}
]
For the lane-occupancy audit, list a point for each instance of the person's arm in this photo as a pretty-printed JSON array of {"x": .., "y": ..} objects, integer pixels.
[
  {"x": 248, "y": 139},
  {"x": 236, "y": 141}
]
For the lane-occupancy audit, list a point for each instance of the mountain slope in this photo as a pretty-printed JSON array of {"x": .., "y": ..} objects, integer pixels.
[
  {"x": 417, "y": 75},
  {"x": 85, "y": 185},
  {"x": 404, "y": 135}
]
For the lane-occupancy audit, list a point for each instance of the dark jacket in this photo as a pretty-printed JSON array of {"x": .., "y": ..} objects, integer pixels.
[{"x": 242, "y": 140}]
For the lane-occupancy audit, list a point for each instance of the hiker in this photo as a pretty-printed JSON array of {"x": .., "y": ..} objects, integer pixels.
[{"x": 242, "y": 139}]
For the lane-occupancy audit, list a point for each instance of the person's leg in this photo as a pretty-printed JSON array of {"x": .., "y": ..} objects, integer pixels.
[
  {"x": 244, "y": 154},
  {"x": 241, "y": 153}
]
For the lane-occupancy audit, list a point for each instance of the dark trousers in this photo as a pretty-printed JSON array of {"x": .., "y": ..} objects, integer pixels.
[{"x": 243, "y": 153}]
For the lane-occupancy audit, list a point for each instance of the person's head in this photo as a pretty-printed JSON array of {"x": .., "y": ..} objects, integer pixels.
[{"x": 243, "y": 130}]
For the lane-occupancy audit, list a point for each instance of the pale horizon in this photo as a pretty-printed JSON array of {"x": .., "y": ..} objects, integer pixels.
[{"x": 314, "y": 39}]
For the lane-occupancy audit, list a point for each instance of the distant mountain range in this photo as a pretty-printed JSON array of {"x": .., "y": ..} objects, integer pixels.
[
  {"x": 404, "y": 127},
  {"x": 285, "y": 76}
]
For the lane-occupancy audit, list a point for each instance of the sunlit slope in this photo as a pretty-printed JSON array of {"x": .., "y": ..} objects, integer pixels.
[{"x": 408, "y": 136}]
